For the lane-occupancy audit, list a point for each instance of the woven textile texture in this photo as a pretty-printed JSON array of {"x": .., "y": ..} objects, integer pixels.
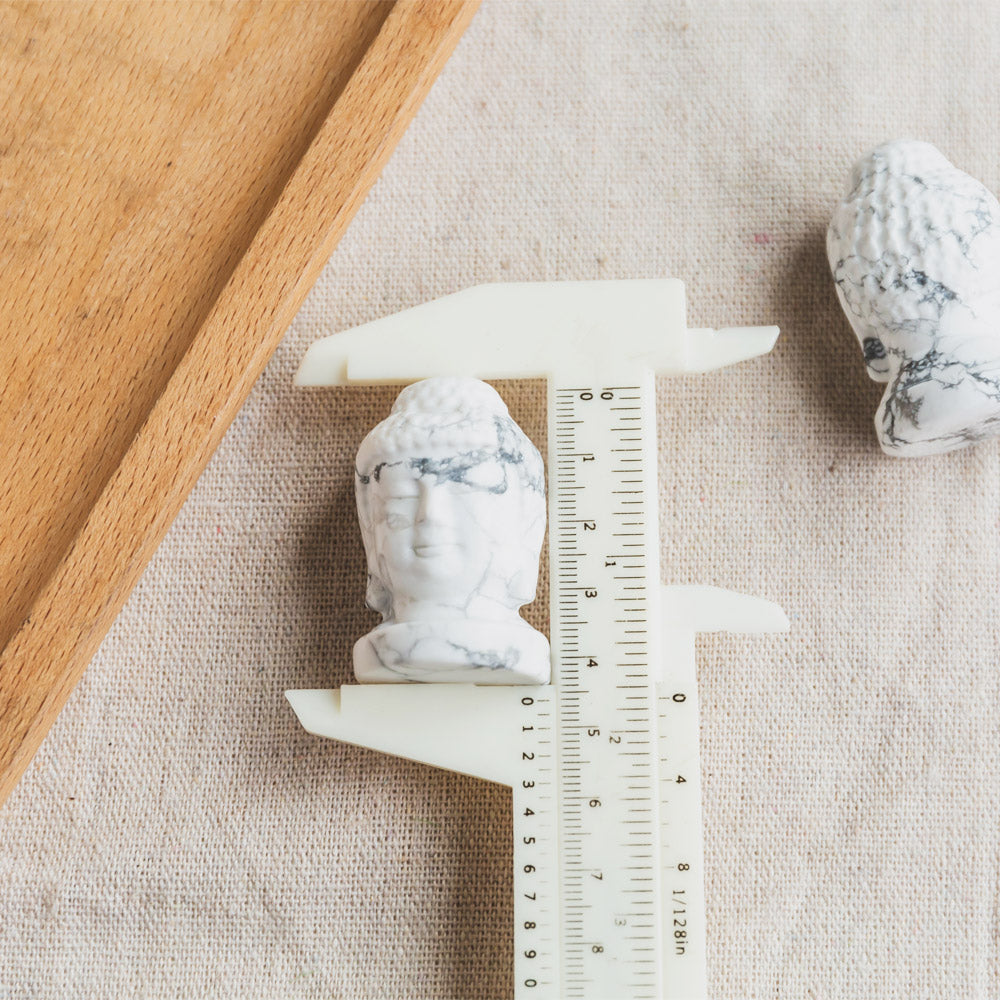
[{"x": 179, "y": 836}]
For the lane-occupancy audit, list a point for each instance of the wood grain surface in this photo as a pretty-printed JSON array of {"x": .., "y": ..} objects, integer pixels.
[{"x": 172, "y": 179}]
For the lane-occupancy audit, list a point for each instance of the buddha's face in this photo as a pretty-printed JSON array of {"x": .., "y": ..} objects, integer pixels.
[
  {"x": 441, "y": 531},
  {"x": 451, "y": 499}
]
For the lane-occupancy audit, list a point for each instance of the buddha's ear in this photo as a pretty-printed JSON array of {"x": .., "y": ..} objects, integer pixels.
[{"x": 378, "y": 597}]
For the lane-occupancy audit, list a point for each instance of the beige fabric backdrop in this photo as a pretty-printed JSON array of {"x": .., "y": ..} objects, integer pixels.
[{"x": 179, "y": 835}]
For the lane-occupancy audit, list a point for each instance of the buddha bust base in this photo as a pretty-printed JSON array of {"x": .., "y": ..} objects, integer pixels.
[{"x": 454, "y": 652}]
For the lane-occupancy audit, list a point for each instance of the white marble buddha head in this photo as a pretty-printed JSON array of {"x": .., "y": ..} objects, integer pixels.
[{"x": 451, "y": 501}]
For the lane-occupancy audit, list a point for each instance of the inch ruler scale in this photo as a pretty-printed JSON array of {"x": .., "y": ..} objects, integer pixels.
[{"x": 603, "y": 762}]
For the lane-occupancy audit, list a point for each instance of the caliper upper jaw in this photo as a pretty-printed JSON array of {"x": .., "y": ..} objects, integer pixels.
[{"x": 533, "y": 330}]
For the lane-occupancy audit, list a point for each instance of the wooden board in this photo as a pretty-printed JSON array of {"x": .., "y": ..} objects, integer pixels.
[{"x": 172, "y": 179}]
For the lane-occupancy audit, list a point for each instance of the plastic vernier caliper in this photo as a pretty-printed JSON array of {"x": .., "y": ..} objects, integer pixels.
[{"x": 603, "y": 763}]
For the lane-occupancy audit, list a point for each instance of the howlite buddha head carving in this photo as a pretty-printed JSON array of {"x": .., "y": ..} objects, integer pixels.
[{"x": 451, "y": 501}]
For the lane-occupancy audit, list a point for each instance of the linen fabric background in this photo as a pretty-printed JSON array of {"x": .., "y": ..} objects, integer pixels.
[{"x": 180, "y": 836}]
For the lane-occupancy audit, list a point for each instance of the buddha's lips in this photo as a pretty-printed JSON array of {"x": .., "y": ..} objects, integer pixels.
[{"x": 426, "y": 550}]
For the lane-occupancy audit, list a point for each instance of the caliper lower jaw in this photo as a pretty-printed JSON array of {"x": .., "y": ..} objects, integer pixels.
[{"x": 467, "y": 729}]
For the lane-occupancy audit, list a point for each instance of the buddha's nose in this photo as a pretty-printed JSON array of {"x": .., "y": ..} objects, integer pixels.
[{"x": 432, "y": 506}]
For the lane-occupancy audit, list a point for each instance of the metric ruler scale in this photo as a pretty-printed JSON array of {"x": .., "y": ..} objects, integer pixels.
[
  {"x": 598, "y": 746},
  {"x": 603, "y": 762}
]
